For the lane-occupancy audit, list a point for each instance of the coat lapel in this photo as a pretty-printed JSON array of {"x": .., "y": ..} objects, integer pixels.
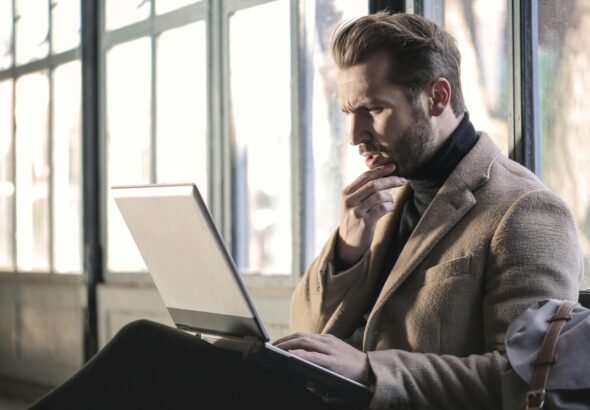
[{"x": 448, "y": 207}]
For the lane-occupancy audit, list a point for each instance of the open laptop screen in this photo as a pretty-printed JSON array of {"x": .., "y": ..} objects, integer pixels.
[{"x": 187, "y": 260}]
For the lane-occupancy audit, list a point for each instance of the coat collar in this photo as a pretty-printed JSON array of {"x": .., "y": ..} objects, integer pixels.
[{"x": 449, "y": 206}]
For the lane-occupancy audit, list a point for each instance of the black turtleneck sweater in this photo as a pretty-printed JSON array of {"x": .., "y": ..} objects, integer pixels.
[{"x": 425, "y": 184}]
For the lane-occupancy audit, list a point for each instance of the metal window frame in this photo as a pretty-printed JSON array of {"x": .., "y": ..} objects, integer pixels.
[
  {"x": 523, "y": 98},
  {"x": 394, "y": 6},
  {"x": 524, "y": 91},
  {"x": 47, "y": 64},
  {"x": 151, "y": 27},
  {"x": 297, "y": 179}
]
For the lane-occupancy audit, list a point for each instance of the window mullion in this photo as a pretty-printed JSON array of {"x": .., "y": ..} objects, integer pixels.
[
  {"x": 526, "y": 125},
  {"x": 215, "y": 129},
  {"x": 92, "y": 170},
  {"x": 153, "y": 105}
]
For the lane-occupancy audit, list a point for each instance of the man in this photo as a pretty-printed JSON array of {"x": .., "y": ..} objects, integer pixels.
[{"x": 414, "y": 292}]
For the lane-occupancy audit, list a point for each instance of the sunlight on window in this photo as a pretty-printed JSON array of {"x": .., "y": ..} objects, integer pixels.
[
  {"x": 260, "y": 79},
  {"x": 5, "y": 34},
  {"x": 335, "y": 162},
  {"x": 67, "y": 169},
  {"x": 65, "y": 26},
  {"x": 119, "y": 13},
  {"x": 6, "y": 178},
  {"x": 480, "y": 28},
  {"x": 128, "y": 77},
  {"x": 564, "y": 84},
  {"x": 32, "y": 28},
  {"x": 32, "y": 173},
  {"x": 181, "y": 121}
]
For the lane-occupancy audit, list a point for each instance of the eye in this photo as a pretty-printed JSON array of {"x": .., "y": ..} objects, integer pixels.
[{"x": 376, "y": 110}]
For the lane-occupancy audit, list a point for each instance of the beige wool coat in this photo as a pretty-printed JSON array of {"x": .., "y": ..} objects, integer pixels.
[{"x": 493, "y": 240}]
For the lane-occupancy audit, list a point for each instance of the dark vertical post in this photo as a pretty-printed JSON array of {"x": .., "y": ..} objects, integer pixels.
[
  {"x": 395, "y": 6},
  {"x": 91, "y": 170},
  {"x": 527, "y": 130}
]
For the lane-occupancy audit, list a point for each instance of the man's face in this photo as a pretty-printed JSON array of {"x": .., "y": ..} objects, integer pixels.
[{"x": 384, "y": 124}]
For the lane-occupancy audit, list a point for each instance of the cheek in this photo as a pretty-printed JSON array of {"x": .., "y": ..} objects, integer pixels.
[{"x": 388, "y": 130}]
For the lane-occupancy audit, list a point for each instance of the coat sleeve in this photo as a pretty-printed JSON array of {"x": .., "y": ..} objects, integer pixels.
[
  {"x": 534, "y": 254},
  {"x": 321, "y": 291}
]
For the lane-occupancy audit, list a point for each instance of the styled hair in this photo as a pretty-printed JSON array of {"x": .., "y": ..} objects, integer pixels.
[{"x": 419, "y": 51}]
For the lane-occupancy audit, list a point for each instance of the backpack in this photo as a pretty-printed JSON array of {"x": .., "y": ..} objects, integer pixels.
[{"x": 548, "y": 347}]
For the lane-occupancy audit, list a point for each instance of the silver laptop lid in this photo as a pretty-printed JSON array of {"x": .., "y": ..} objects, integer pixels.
[{"x": 187, "y": 259}]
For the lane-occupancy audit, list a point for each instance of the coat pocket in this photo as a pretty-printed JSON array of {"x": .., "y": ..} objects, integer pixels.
[{"x": 449, "y": 269}]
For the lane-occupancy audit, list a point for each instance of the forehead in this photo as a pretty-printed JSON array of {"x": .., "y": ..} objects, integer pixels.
[{"x": 370, "y": 78}]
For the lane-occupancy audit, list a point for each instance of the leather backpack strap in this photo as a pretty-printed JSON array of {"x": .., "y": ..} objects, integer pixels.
[{"x": 535, "y": 397}]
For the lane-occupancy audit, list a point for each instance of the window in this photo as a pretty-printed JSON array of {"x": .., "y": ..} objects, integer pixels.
[
  {"x": 156, "y": 115},
  {"x": 219, "y": 105},
  {"x": 334, "y": 163},
  {"x": 261, "y": 135},
  {"x": 481, "y": 30},
  {"x": 563, "y": 62},
  {"x": 40, "y": 140}
]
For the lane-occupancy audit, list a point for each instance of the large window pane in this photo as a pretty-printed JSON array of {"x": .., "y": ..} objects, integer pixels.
[
  {"x": 6, "y": 178},
  {"x": 260, "y": 78},
  {"x": 128, "y": 78},
  {"x": 119, "y": 13},
  {"x": 182, "y": 150},
  {"x": 564, "y": 84},
  {"x": 67, "y": 169},
  {"x": 32, "y": 173},
  {"x": 32, "y": 28},
  {"x": 481, "y": 30},
  {"x": 65, "y": 25},
  {"x": 335, "y": 162},
  {"x": 5, "y": 34}
]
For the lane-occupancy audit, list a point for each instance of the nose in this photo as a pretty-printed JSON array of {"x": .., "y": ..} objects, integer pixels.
[{"x": 358, "y": 130}]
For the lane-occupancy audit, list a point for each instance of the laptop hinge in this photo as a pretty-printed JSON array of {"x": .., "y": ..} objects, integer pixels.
[{"x": 247, "y": 345}]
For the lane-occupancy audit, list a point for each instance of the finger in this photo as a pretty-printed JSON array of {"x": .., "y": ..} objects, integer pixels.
[
  {"x": 381, "y": 184},
  {"x": 378, "y": 211},
  {"x": 371, "y": 202},
  {"x": 289, "y": 337},
  {"x": 310, "y": 343},
  {"x": 369, "y": 175}
]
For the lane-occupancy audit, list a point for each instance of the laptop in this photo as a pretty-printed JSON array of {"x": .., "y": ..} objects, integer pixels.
[{"x": 201, "y": 287}]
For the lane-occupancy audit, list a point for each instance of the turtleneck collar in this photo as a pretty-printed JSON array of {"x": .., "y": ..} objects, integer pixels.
[
  {"x": 444, "y": 161},
  {"x": 428, "y": 180}
]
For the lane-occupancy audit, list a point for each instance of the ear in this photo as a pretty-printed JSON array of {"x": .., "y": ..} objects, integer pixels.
[{"x": 440, "y": 96}]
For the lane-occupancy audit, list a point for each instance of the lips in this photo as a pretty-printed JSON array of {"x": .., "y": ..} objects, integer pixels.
[{"x": 374, "y": 159}]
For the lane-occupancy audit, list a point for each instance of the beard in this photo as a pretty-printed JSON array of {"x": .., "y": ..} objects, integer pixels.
[{"x": 412, "y": 149}]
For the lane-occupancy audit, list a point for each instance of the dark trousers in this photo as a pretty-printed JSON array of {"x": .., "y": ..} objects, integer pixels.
[{"x": 152, "y": 366}]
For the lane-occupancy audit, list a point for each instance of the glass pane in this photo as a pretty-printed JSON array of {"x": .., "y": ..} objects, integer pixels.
[
  {"x": 5, "y": 34},
  {"x": 32, "y": 30},
  {"x": 6, "y": 178},
  {"x": 119, "y": 13},
  {"x": 335, "y": 162},
  {"x": 481, "y": 30},
  {"x": 564, "y": 84},
  {"x": 128, "y": 78},
  {"x": 67, "y": 169},
  {"x": 182, "y": 106},
  {"x": 32, "y": 173},
  {"x": 260, "y": 79},
  {"x": 164, "y": 6},
  {"x": 65, "y": 25}
]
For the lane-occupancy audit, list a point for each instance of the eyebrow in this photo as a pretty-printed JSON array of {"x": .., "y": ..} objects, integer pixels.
[{"x": 364, "y": 104}]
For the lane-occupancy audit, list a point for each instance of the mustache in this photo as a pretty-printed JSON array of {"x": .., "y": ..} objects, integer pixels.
[{"x": 365, "y": 147}]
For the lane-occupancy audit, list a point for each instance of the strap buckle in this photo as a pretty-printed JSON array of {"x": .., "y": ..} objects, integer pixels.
[{"x": 535, "y": 399}]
